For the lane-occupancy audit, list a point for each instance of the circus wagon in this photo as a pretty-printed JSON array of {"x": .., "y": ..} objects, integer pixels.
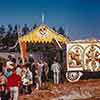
[{"x": 80, "y": 55}]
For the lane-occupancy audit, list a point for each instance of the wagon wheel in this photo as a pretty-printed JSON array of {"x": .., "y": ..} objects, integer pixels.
[{"x": 73, "y": 76}]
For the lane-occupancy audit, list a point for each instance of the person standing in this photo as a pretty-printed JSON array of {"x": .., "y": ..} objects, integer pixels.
[
  {"x": 45, "y": 72},
  {"x": 37, "y": 76},
  {"x": 40, "y": 70},
  {"x": 26, "y": 80},
  {"x": 8, "y": 71},
  {"x": 33, "y": 67},
  {"x": 55, "y": 67},
  {"x": 19, "y": 69},
  {"x": 3, "y": 81},
  {"x": 13, "y": 83}
]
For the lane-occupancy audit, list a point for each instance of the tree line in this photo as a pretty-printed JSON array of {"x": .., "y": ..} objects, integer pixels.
[{"x": 9, "y": 34}]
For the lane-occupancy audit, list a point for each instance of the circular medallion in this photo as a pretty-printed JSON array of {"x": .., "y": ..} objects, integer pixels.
[{"x": 43, "y": 31}]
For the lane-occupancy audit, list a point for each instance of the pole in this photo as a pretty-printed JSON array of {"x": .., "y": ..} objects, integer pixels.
[
  {"x": 58, "y": 43},
  {"x": 42, "y": 18}
]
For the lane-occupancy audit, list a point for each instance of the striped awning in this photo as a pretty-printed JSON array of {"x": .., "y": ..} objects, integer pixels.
[{"x": 43, "y": 34}]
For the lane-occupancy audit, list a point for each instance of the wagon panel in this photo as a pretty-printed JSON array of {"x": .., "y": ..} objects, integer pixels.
[{"x": 83, "y": 56}]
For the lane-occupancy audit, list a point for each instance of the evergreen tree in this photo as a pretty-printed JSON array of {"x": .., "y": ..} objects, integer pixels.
[
  {"x": 54, "y": 28},
  {"x": 61, "y": 31},
  {"x": 35, "y": 25},
  {"x": 15, "y": 32},
  {"x": 15, "y": 28},
  {"x": 25, "y": 29},
  {"x": 10, "y": 28},
  {"x": 2, "y": 29}
]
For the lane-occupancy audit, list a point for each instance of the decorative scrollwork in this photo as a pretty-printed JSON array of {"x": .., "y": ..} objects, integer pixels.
[
  {"x": 73, "y": 76},
  {"x": 92, "y": 58},
  {"x": 75, "y": 56},
  {"x": 43, "y": 31}
]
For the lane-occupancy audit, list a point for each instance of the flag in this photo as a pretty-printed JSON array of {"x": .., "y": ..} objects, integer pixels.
[{"x": 23, "y": 48}]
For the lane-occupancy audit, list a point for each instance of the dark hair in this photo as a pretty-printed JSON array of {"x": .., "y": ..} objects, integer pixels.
[
  {"x": 1, "y": 64},
  {"x": 31, "y": 60},
  {"x": 1, "y": 69},
  {"x": 13, "y": 60},
  {"x": 9, "y": 57}
]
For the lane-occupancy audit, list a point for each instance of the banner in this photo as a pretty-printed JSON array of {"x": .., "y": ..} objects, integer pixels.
[{"x": 23, "y": 48}]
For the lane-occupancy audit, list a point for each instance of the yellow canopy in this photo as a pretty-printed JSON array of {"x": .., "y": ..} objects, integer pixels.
[{"x": 43, "y": 34}]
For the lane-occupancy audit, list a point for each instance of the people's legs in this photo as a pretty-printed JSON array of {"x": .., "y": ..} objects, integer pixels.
[
  {"x": 0, "y": 95},
  {"x": 37, "y": 85},
  {"x": 57, "y": 77},
  {"x": 11, "y": 93},
  {"x": 3, "y": 95},
  {"x": 29, "y": 89},
  {"x": 16, "y": 93},
  {"x": 33, "y": 79},
  {"x": 3, "y": 92},
  {"x": 40, "y": 81}
]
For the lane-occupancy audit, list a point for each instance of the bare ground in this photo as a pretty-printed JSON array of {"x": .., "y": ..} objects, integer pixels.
[{"x": 81, "y": 90}]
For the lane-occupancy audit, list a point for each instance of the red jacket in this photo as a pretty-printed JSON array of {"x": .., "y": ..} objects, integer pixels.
[{"x": 13, "y": 80}]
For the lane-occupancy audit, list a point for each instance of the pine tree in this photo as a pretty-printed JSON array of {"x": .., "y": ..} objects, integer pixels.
[
  {"x": 54, "y": 28},
  {"x": 61, "y": 31},
  {"x": 35, "y": 25}
]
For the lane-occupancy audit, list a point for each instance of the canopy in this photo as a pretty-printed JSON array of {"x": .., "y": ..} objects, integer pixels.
[{"x": 43, "y": 34}]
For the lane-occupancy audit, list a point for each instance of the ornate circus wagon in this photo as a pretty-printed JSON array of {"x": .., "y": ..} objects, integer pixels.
[{"x": 82, "y": 56}]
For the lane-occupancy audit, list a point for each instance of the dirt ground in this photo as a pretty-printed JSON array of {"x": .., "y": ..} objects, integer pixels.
[{"x": 81, "y": 90}]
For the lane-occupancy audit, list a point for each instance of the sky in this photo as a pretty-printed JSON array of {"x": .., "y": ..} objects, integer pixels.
[{"x": 79, "y": 18}]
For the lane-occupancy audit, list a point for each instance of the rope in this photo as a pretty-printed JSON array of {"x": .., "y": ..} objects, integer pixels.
[{"x": 10, "y": 48}]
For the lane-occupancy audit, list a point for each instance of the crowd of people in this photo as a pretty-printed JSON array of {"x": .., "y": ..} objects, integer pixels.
[{"x": 18, "y": 78}]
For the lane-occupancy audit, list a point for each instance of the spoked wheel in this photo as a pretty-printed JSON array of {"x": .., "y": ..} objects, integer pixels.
[{"x": 73, "y": 76}]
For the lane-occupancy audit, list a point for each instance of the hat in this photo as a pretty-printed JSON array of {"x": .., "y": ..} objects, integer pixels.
[{"x": 10, "y": 65}]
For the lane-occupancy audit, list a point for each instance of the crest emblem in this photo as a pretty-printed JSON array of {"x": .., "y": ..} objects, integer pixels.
[{"x": 43, "y": 31}]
